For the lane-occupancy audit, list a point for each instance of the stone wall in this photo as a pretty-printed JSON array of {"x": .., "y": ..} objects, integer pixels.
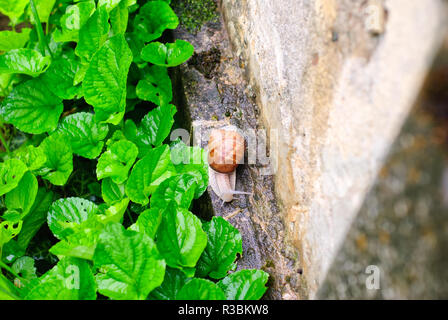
[{"x": 336, "y": 80}]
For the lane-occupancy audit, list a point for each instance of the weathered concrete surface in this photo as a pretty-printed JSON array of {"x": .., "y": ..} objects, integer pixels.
[
  {"x": 402, "y": 227},
  {"x": 216, "y": 94},
  {"x": 337, "y": 92}
]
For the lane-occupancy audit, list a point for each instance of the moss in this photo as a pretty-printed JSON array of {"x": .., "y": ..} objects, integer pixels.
[{"x": 193, "y": 14}]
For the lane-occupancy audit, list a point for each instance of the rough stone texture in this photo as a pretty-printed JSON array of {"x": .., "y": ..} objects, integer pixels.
[
  {"x": 337, "y": 85},
  {"x": 216, "y": 94}
]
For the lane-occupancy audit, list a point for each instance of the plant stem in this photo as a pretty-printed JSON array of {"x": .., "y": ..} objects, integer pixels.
[
  {"x": 40, "y": 32},
  {"x": 2, "y": 139}
]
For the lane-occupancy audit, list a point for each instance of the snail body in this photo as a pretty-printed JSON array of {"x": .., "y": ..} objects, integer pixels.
[{"x": 225, "y": 152}]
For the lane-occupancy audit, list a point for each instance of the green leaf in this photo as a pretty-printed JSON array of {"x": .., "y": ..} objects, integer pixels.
[
  {"x": 11, "y": 172},
  {"x": 115, "y": 212},
  {"x": 81, "y": 243},
  {"x": 180, "y": 238},
  {"x": 7, "y": 290},
  {"x": 24, "y": 266},
  {"x": 149, "y": 221},
  {"x": 25, "y": 61},
  {"x": 119, "y": 17},
  {"x": 200, "y": 289},
  {"x": 13, "y": 9},
  {"x": 110, "y": 4},
  {"x": 130, "y": 266},
  {"x": 152, "y": 19},
  {"x": 148, "y": 173},
  {"x": 65, "y": 214},
  {"x": 116, "y": 162},
  {"x": 83, "y": 134},
  {"x": 223, "y": 244},
  {"x": 32, "y": 108},
  {"x": 36, "y": 218},
  {"x": 60, "y": 76},
  {"x": 70, "y": 279},
  {"x": 172, "y": 283},
  {"x": 156, "y": 86},
  {"x": 167, "y": 55},
  {"x": 73, "y": 20},
  {"x": 104, "y": 84},
  {"x": 93, "y": 34},
  {"x": 178, "y": 190},
  {"x": 191, "y": 160},
  {"x": 10, "y": 40},
  {"x": 111, "y": 191},
  {"x": 59, "y": 164},
  {"x": 153, "y": 129},
  {"x": 44, "y": 8},
  {"x": 244, "y": 285},
  {"x": 34, "y": 158},
  {"x": 9, "y": 230},
  {"x": 22, "y": 197}
]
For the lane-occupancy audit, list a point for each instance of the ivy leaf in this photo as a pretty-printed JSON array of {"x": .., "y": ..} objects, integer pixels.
[
  {"x": 223, "y": 244},
  {"x": 148, "y": 173},
  {"x": 172, "y": 283},
  {"x": 10, "y": 40},
  {"x": 65, "y": 214},
  {"x": 70, "y": 279},
  {"x": 111, "y": 192},
  {"x": 117, "y": 161},
  {"x": 191, "y": 160},
  {"x": 11, "y": 172},
  {"x": 153, "y": 129},
  {"x": 59, "y": 164},
  {"x": 156, "y": 86},
  {"x": 153, "y": 18},
  {"x": 130, "y": 266},
  {"x": 178, "y": 190},
  {"x": 83, "y": 134},
  {"x": 34, "y": 158},
  {"x": 200, "y": 289},
  {"x": 180, "y": 238},
  {"x": 149, "y": 221},
  {"x": 104, "y": 84},
  {"x": 22, "y": 197},
  {"x": 93, "y": 34},
  {"x": 73, "y": 20},
  {"x": 244, "y": 285},
  {"x": 32, "y": 108},
  {"x": 25, "y": 61},
  {"x": 60, "y": 76},
  {"x": 167, "y": 55},
  {"x": 13, "y": 9}
]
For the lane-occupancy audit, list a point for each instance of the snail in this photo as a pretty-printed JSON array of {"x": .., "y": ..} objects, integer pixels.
[{"x": 225, "y": 152}]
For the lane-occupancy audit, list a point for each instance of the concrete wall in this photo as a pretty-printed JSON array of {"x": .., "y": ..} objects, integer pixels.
[{"x": 337, "y": 80}]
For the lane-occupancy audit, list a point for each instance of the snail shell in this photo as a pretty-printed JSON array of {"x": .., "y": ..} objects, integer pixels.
[{"x": 225, "y": 152}]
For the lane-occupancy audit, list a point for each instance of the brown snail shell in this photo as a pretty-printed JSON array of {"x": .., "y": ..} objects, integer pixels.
[{"x": 225, "y": 150}]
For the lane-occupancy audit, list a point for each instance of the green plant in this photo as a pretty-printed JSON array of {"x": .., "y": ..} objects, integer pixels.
[{"x": 94, "y": 203}]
